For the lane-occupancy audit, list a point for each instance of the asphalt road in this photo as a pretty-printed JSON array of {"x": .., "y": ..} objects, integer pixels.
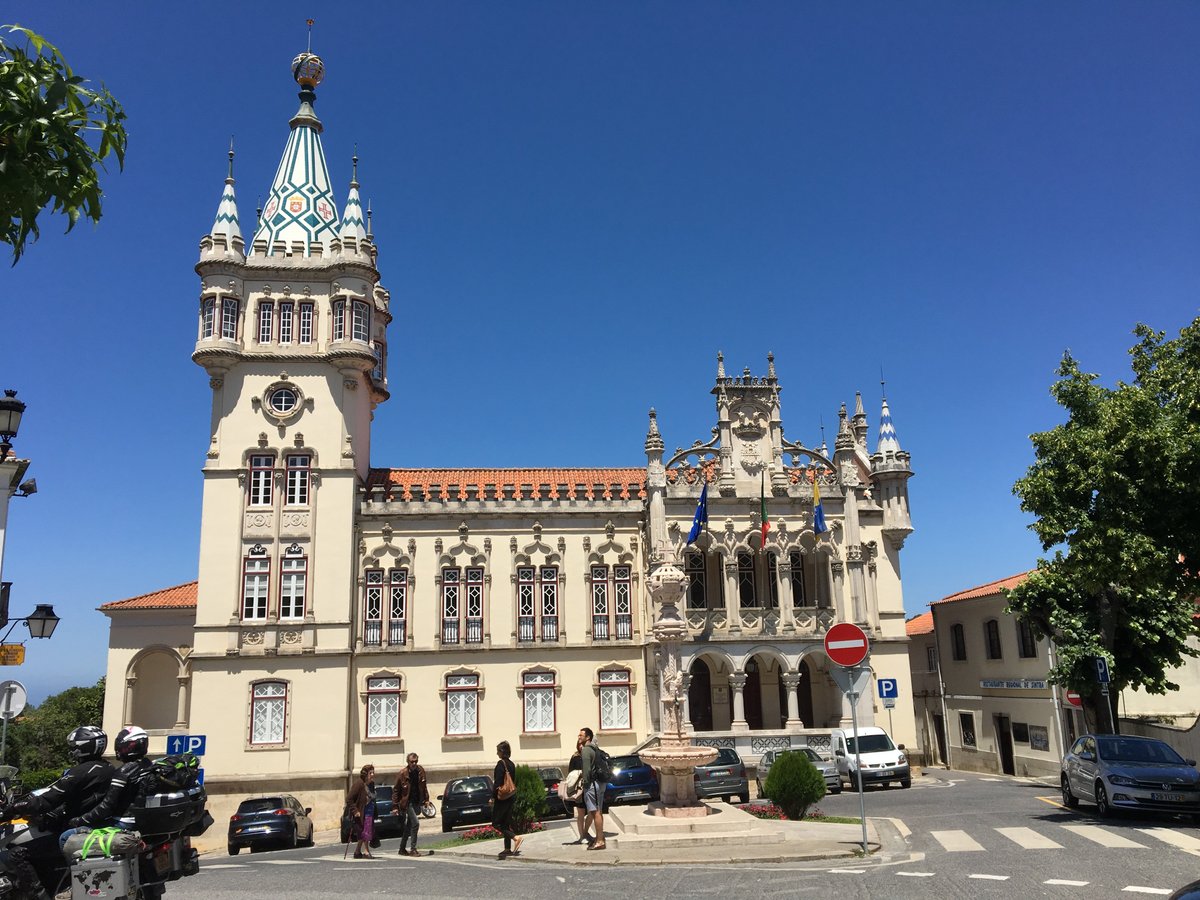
[{"x": 954, "y": 835}]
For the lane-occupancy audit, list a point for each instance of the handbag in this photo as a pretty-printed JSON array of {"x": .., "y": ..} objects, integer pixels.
[
  {"x": 507, "y": 788},
  {"x": 571, "y": 787}
]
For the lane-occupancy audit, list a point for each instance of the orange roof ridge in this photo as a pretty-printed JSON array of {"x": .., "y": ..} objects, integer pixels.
[
  {"x": 987, "y": 590},
  {"x": 179, "y": 596},
  {"x": 922, "y": 624}
]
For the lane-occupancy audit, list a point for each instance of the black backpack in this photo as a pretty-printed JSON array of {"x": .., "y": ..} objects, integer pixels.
[{"x": 601, "y": 766}]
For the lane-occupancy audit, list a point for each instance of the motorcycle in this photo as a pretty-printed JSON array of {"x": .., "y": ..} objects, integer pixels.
[{"x": 162, "y": 824}]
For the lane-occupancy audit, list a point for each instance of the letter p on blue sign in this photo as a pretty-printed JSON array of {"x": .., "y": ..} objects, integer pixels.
[
  {"x": 1102, "y": 670},
  {"x": 888, "y": 688}
]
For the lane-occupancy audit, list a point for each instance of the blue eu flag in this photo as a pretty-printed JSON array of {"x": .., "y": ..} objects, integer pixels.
[{"x": 701, "y": 518}]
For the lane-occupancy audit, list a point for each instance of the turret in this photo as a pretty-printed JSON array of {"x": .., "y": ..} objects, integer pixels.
[
  {"x": 225, "y": 238},
  {"x": 656, "y": 485},
  {"x": 890, "y": 472}
]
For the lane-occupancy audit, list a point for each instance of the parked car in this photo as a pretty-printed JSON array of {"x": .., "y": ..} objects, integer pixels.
[
  {"x": 882, "y": 761},
  {"x": 278, "y": 819},
  {"x": 551, "y": 776},
  {"x": 1116, "y": 771},
  {"x": 633, "y": 781},
  {"x": 466, "y": 801},
  {"x": 827, "y": 768},
  {"x": 1187, "y": 892},
  {"x": 724, "y": 777},
  {"x": 387, "y": 818}
]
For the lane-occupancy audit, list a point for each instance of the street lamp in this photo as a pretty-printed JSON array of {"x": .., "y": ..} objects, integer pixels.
[
  {"x": 41, "y": 622},
  {"x": 11, "y": 410}
]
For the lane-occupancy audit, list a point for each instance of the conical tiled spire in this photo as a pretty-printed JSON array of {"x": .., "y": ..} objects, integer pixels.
[
  {"x": 300, "y": 208},
  {"x": 353, "y": 226},
  {"x": 226, "y": 228},
  {"x": 888, "y": 442}
]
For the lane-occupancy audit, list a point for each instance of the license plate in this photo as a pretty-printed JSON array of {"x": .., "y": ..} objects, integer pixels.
[
  {"x": 162, "y": 861},
  {"x": 885, "y": 772},
  {"x": 722, "y": 774},
  {"x": 1168, "y": 797},
  {"x": 471, "y": 812}
]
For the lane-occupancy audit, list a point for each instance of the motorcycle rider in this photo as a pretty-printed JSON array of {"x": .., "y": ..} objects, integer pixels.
[{"x": 130, "y": 746}]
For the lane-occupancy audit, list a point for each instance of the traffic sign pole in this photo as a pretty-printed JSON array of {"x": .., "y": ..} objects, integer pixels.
[{"x": 862, "y": 802}]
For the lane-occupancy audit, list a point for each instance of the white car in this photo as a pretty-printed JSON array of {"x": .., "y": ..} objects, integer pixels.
[{"x": 882, "y": 761}]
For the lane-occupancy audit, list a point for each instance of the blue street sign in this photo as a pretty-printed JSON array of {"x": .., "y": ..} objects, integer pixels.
[
  {"x": 888, "y": 688},
  {"x": 1102, "y": 670},
  {"x": 187, "y": 743},
  {"x": 200, "y": 777}
]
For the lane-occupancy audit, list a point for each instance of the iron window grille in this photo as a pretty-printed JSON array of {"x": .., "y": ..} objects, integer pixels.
[
  {"x": 694, "y": 568},
  {"x": 537, "y": 603}
]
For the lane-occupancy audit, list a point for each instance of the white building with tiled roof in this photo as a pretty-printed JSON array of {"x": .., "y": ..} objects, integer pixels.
[{"x": 347, "y": 613}]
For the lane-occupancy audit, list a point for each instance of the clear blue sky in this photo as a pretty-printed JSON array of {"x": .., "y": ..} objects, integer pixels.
[{"x": 577, "y": 205}]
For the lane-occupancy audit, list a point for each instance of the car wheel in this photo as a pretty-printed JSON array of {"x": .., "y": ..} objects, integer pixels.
[
  {"x": 744, "y": 798},
  {"x": 1069, "y": 800},
  {"x": 234, "y": 849},
  {"x": 294, "y": 840},
  {"x": 1102, "y": 804},
  {"x": 836, "y": 789},
  {"x": 906, "y": 782},
  {"x": 447, "y": 824}
]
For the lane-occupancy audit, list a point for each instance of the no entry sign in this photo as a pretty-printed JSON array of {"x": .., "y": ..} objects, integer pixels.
[
  {"x": 1074, "y": 699},
  {"x": 846, "y": 644}
]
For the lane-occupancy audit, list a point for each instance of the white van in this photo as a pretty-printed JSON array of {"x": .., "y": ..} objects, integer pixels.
[{"x": 882, "y": 760}]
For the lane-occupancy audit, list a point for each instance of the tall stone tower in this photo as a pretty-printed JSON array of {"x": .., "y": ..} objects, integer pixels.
[{"x": 292, "y": 335}]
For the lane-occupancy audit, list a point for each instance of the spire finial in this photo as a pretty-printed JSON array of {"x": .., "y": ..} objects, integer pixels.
[
  {"x": 229, "y": 178},
  {"x": 354, "y": 163},
  {"x": 310, "y": 25},
  {"x": 770, "y": 365},
  {"x": 369, "y": 231},
  {"x": 720, "y": 364},
  {"x": 821, "y": 420},
  {"x": 882, "y": 384}
]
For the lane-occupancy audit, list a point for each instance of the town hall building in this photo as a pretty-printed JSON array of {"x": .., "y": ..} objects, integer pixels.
[{"x": 347, "y": 612}]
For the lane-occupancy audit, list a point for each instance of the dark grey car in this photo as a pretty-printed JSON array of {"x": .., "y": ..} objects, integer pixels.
[
  {"x": 827, "y": 768},
  {"x": 278, "y": 819},
  {"x": 1117, "y": 771},
  {"x": 724, "y": 777}
]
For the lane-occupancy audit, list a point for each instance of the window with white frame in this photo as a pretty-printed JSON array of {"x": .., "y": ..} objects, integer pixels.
[
  {"x": 462, "y": 704},
  {"x": 397, "y": 629},
  {"x": 799, "y": 595},
  {"x": 612, "y": 602},
  {"x": 262, "y": 471},
  {"x": 306, "y": 323},
  {"x": 360, "y": 322},
  {"x": 299, "y": 466},
  {"x": 266, "y": 321},
  {"x": 537, "y": 603},
  {"x": 383, "y": 707},
  {"x": 285, "y": 322},
  {"x": 380, "y": 355},
  {"x": 538, "y": 688},
  {"x": 339, "y": 320},
  {"x": 614, "y": 699},
  {"x": 385, "y": 597},
  {"x": 256, "y": 579},
  {"x": 268, "y": 713},
  {"x": 293, "y": 584},
  {"x": 208, "y": 317},
  {"x": 229, "y": 318}
]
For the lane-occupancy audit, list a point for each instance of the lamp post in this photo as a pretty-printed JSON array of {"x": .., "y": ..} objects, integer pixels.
[
  {"x": 12, "y": 469},
  {"x": 11, "y": 410}
]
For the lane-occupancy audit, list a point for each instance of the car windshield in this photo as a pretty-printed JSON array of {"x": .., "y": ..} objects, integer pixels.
[
  {"x": 550, "y": 773},
  {"x": 261, "y": 804},
  {"x": 1114, "y": 749},
  {"x": 383, "y": 792},
  {"x": 811, "y": 754},
  {"x": 626, "y": 762},
  {"x": 468, "y": 785},
  {"x": 726, "y": 757},
  {"x": 870, "y": 743}
]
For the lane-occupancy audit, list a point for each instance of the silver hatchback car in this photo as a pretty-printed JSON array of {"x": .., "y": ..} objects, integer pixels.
[
  {"x": 827, "y": 768},
  {"x": 1117, "y": 771}
]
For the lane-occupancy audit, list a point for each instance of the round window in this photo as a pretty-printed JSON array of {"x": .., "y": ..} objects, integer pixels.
[{"x": 283, "y": 400}]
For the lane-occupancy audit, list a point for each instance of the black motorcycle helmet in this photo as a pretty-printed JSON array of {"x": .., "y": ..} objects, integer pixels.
[
  {"x": 87, "y": 742},
  {"x": 131, "y": 743}
]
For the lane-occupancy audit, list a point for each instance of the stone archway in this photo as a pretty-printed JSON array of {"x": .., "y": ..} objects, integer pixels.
[
  {"x": 804, "y": 695},
  {"x": 700, "y": 704}
]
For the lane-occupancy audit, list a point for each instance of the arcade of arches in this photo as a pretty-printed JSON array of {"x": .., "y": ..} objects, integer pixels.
[{"x": 764, "y": 694}]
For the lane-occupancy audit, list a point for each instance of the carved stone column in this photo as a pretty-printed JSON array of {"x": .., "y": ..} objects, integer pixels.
[
  {"x": 733, "y": 604},
  {"x": 787, "y": 611},
  {"x": 181, "y": 701},
  {"x": 737, "y": 684},
  {"x": 686, "y": 714},
  {"x": 791, "y": 684},
  {"x": 127, "y": 716}
]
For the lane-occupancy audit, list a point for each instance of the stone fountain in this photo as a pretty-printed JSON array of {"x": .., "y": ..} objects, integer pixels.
[{"x": 676, "y": 757}]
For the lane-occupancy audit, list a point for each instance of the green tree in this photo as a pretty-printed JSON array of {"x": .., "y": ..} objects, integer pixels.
[
  {"x": 49, "y": 122},
  {"x": 1115, "y": 491},
  {"x": 794, "y": 784},
  {"x": 37, "y": 741}
]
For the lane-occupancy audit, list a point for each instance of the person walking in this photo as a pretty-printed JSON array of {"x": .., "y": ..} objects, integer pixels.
[
  {"x": 574, "y": 795},
  {"x": 504, "y": 797},
  {"x": 593, "y": 794},
  {"x": 410, "y": 793},
  {"x": 360, "y": 803}
]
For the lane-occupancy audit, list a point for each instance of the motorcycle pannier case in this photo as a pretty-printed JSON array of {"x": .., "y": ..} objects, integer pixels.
[
  {"x": 107, "y": 879},
  {"x": 165, "y": 813}
]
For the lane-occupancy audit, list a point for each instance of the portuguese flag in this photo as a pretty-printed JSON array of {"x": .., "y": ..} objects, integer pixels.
[{"x": 762, "y": 508}]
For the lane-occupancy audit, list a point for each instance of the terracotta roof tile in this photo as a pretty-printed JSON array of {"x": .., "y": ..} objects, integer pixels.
[
  {"x": 182, "y": 596},
  {"x": 509, "y": 484},
  {"x": 992, "y": 588},
  {"x": 917, "y": 625}
]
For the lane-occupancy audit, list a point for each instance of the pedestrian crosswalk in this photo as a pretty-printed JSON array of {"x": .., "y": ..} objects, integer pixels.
[{"x": 1056, "y": 837}]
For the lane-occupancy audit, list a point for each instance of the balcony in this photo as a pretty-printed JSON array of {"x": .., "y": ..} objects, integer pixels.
[{"x": 710, "y": 623}]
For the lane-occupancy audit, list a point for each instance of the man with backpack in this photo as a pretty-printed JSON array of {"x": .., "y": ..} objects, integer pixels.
[{"x": 597, "y": 769}]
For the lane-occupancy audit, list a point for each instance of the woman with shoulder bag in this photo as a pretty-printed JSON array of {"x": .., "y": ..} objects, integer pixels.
[
  {"x": 504, "y": 794},
  {"x": 572, "y": 795},
  {"x": 360, "y": 803}
]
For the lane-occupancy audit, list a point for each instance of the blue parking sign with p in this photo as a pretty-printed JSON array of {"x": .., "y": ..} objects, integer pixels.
[
  {"x": 187, "y": 743},
  {"x": 888, "y": 688},
  {"x": 1102, "y": 675}
]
